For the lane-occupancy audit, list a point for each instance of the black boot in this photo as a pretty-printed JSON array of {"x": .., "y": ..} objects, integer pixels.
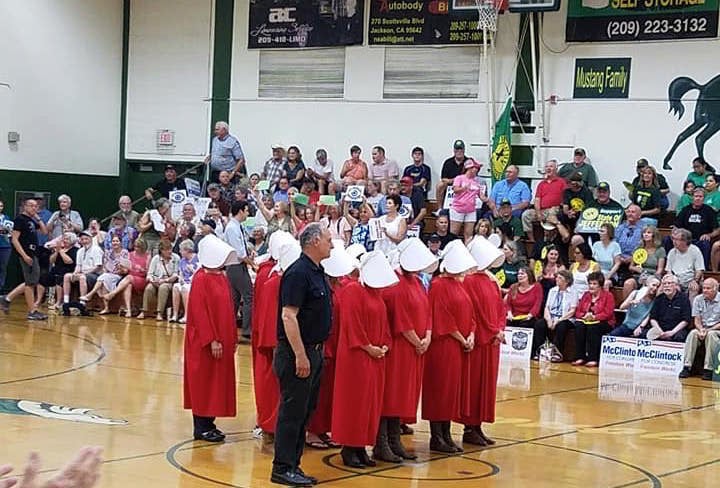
[
  {"x": 382, "y": 451},
  {"x": 488, "y": 441},
  {"x": 396, "y": 446},
  {"x": 472, "y": 436},
  {"x": 350, "y": 458},
  {"x": 447, "y": 437},
  {"x": 364, "y": 458},
  {"x": 437, "y": 443}
]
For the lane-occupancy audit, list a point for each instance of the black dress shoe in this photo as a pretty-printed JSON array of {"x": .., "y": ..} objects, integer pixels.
[
  {"x": 707, "y": 374},
  {"x": 219, "y": 432},
  {"x": 312, "y": 479},
  {"x": 210, "y": 436},
  {"x": 685, "y": 373},
  {"x": 290, "y": 478},
  {"x": 364, "y": 458}
]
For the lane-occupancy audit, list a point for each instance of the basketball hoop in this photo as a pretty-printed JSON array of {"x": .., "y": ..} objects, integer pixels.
[{"x": 487, "y": 15}]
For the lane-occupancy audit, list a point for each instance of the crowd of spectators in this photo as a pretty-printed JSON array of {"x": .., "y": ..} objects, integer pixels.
[{"x": 556, "y": 275}]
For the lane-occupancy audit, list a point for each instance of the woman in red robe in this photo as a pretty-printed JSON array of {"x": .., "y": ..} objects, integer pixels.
[
  {"x": 446, "y": 376},
  {"x": 360, "y": 362},
  {"x": 411, "y": 327},
  {"x": 486, "y": 297},
  {"x": 264, "y": 333},
  {"x": 210, "y": 342},
  {"x": 339, "y": 267}
]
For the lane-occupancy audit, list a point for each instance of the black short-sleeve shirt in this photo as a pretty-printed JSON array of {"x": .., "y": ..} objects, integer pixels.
[
  {"x": 450, "y": 168},
  {"x": 28, "y": 238},
  {"x": 698, "y": 221},
  {"x": 164, "y": 187},
  {"x": 304, "y": 285},
  {"x": 671, "y": 311}
]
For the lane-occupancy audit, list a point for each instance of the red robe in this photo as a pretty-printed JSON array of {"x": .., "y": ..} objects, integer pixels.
[
  {"x": 359, "y": 378},
  {"x": 209, "y": 383},
  {"x": 265, "y": 382},
  {"x": 447, "y": 366},
  {"x": 408, "y": 309},
  {"x": 321, "y": 420},
  {"x": 485, "y": 358},
  {"x": 262, "y": 275}
]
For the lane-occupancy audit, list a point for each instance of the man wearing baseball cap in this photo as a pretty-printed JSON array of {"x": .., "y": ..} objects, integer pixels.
[
  {"x": 451, "y": 168},
  {"x": 273, "y": 168},
  {"x": 162, "y": 188},
  {"x": 581, "y": 165},
  {"x": 575, "y": 198},
  {"x": 417, "y": 198}
]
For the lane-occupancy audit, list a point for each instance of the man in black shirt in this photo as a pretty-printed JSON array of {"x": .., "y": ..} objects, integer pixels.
[
  {"x": 670, "y": 312},
  {"x": 701, "y": 220},
  {"x": 304, "y": 317},
  {"x": 165, "y": 186},
  {"x": 25, "y": 242},
  {"x": 450, "y": 169}
]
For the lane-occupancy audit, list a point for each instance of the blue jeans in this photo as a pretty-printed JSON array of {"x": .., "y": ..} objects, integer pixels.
[
  {"x": 4, "y": 259},
  {"x": 622, "y": 331}
]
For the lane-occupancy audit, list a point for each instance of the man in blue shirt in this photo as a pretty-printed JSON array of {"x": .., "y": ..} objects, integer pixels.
[
  {"x": 511, "y": 188},
  {"x": 226, "y": 154},
  {"x": 629, "y": 234},
  {"x": 418, "y": 171}
]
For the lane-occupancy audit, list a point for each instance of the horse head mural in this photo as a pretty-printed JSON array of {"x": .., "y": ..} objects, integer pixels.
[{"x": 707, "y": 112}]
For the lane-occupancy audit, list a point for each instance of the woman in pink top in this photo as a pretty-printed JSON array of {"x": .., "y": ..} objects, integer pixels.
[
  {"x": 462, "y": 210},
  {"x": 135, "y": 278}
]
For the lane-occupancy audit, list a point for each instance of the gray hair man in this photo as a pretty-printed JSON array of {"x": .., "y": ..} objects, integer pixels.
[
  {"x": 65, "y": 219},
  {"x": 706, "y": 322},
  {"x": 548, "y": 197},
  {"x": 303, "y": 327},
  {"x": 686, "y": 262},
  {"x": 226, "y": 154}
]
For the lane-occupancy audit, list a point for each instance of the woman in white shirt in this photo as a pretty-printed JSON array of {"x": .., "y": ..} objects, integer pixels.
[
  {"x": 582, "y": 267},
  {"x": 606, "y": 252},
  {"x": 394, "y": 226},
  {"x": 559, "y": 309}
]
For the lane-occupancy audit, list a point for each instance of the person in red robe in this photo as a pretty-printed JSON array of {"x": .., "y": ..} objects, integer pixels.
[
  {"x": 446, "y": 376},
  {"x": 486, "y": 296},
  {"x": 263, "y": 374},
  {"x": 341, "y": 268},
  {"x": 265, "y": 382},
  {"x": 410, "y": 322},
  {"x": 210, "y": 342},
  {"x": 360, "y": 362}
]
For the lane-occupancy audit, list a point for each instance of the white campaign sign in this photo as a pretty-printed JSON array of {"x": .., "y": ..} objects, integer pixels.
[
  {"x": 642, "y": 356},
  {"x": 625, "y": 386},
  {"x": 518, "y": 344}
]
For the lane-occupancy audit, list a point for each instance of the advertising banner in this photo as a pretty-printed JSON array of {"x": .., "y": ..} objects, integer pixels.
[
  {"x": 305, "y": 23},
  {"x": 640, "y": 20},
  {"x": 418, "y": 23},
  {"x": 601, "y": 78}
]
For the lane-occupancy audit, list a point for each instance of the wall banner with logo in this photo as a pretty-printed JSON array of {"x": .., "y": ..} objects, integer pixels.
[
  {"x": 593, "y": 217},
  {"x": 418, "y": 23},
  {"x": 305, "y": 23},
  {"x": 640, "y": 20},
  {"x": 601, "y": 78}
]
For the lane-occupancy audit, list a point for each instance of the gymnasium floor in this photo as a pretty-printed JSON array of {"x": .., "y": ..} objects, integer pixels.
[{"x": 561, "y": 426}]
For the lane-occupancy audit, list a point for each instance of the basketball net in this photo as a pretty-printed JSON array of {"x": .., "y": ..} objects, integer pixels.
[{"x": 487, "y": 16}]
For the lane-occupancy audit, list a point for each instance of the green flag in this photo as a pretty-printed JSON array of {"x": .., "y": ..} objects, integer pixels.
[{"x": 500, "y": 157}]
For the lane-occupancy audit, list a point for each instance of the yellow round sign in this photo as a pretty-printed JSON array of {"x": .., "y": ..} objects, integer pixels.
[
  {"x": 590, "y": 213},
  {"x": 500, "y": 275},
  {"x": 640, "y": 256},
  {"x": 577, "y": 204},
  {"x": 538, "y": 269}
]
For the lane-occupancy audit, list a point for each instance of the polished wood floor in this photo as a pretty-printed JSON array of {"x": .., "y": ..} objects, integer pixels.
[{"x": 557, "y": 426}]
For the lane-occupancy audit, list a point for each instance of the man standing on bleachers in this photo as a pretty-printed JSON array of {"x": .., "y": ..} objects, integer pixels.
[{"x": 582, "y": 166}]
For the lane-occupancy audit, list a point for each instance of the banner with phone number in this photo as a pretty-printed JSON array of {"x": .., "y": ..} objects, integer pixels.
[
  {"x": 418, "y": 23},
  {"x": 640, "y": 20}
]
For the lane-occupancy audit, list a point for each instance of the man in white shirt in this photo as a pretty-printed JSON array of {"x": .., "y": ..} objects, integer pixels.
[
  {"x": 706, "y": 321},
  {"x": 321, "y": 172},
  {"x": 686, "y": 262},
  {"x": 238, "y": 274},
  {"x": 89, "y": 261}
]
